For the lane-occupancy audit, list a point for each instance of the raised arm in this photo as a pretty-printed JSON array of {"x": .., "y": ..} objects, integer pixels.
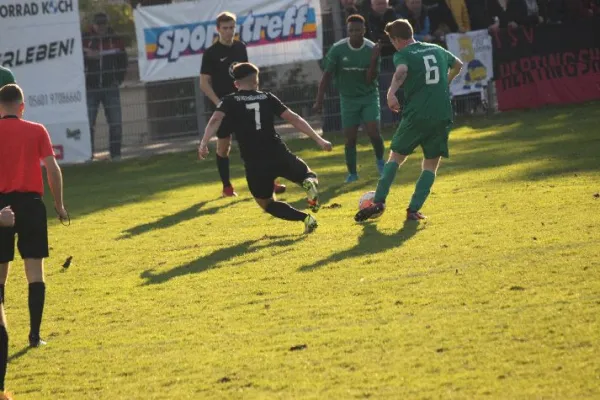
[
  {"x": 300, "y": 123},
  {"x": 375, "y": 66}
]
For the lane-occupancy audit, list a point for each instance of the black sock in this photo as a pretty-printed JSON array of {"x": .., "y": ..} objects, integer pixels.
[
  {"x": 1, "y": 293},
  {"x": 37, "y": 297},
  {"x": 377, "y": 143},
  {"x": 282, "y": 210},
  {"x": 223, "y": 167},
  {"x": 3, "y": 355}
]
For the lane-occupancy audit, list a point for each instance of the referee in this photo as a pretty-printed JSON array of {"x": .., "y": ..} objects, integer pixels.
[
  {"x": 216, "y": 81},
  {"x": 23, "y": 145}
]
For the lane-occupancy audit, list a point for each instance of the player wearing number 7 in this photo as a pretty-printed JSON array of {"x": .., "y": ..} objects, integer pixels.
[
  {"x": 426, "y": 71},
  {"x": 252, "y": 114}
]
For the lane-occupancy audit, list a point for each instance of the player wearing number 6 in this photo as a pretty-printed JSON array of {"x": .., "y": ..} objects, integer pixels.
[
  {"x": 252, "y": 114},
  {"x": 426, "y": 71}
]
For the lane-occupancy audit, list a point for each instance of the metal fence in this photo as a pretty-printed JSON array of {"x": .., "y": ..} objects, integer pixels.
[{"x": 169, "y": 116}]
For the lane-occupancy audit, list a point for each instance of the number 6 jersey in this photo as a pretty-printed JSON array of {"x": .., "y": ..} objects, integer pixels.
[
  {"x": 251, "y": 115},
  {"x": 426, "y": 92}
]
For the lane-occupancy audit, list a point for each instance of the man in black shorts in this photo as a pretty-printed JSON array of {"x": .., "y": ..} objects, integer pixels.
[
  {"x": 216, "y": 81},
  {"x": 251, "y": 113},
  {"x": 23, "y": 145},
  {"x": 7, "y": 219}
]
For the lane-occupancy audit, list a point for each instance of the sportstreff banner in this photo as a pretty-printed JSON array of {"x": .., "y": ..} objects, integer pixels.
[
  {"x": 475, "y": 51},
  {"x": 172, "y": 38},
  {"x": 549, "y": 64},
  {"x": 40, "y": 41}
]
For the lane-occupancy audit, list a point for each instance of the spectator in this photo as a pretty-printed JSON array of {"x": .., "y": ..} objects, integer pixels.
[
  {"x": 377, "y": 17},
  {"x": 534, "y": 12},
  {"x": 507, "y": 13},
  {"x": 479, "y": 16},
  {"x": 105, "y": 62},
  {"x": 416, "y": 14},
  {"x": 575, "y": 10},
  {"x": 459, "y": 11},
  {"x": 441, "y": 19}
]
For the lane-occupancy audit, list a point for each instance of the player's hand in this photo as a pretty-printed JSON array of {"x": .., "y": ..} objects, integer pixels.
[
  {"x": 325, "y": 145},
  {"x": 7, "y": 217},
  {"x": 393, "y": 103},
  {"x": 63, "y": 215},
  {"x": 202, "y": 151},
  {"x": 318, "y": 107},
  {"x": 376, "y": 51}
]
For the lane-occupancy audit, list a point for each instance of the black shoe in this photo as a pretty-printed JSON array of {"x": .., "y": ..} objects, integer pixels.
[
  {"x": 373, "y": 211},
  {"x": 36, "y": 341}
]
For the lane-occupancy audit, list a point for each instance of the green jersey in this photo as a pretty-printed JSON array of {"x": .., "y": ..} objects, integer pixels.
[
  {"x": 6, "y": 76},
  {"x": 349, "y": 67},
  {"x": 426, "y": 91}
]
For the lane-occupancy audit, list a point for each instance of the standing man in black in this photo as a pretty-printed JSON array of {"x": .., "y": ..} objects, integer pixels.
[{"x": 216, "y": 81}]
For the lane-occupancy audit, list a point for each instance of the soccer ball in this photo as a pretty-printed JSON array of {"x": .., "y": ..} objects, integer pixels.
[{"x": 366, "y": 200}]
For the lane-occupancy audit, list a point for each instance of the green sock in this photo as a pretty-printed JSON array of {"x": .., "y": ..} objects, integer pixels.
[
  {"x": 378, "y": 146},
  {"x": 351, "y": 158},
  {"x": 422, "y": 189},
  {"x": 385, "y": 182}
]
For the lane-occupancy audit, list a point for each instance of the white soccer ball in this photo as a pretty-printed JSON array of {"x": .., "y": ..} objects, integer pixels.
[{"x": 366, "y": 200}]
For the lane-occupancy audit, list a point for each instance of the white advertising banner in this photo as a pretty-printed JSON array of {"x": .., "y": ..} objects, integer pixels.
[
  {"x": 475, "y": 51},
  {"x": 40, "y": 41},
  {"x": 172, "y": 38}
]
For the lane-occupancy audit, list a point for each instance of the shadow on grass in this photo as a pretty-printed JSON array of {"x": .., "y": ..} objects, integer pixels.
[
  {"x": 371, "y": 241},
  {"x": 219, "y": 257},
  {"x": 19, "y": 354},
  {"x": 194, "y": 211}
]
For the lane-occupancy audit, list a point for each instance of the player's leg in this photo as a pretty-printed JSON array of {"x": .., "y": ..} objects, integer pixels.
[
  {"x": 3, "y": 351},
  {"x": 350, "y": 110},
  {"x": 371, "y": 115},
  {"x": 7, "y": 252},
  {"x": 294, "y": 169},
  {"x": 223, "y": 149},
  {"x": 435, "y": 146},
  {"x": 260, "y": 184},
  {"x": 403, "y": 144},
  {"x": 32, "y": 232}
]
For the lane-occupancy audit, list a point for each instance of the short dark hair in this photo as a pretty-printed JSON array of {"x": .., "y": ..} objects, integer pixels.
[
  {"x": 399, "y": 29},
  {"x": 225, "y": 16},
  {"x": 355, "y": 18},
  {"x": 11, "y": 94},
  {"x": 100, "y": 18},
  {"x": 244, "y": 70}
]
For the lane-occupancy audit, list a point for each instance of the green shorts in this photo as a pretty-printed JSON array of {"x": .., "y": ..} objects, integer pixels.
[
  {"x": 432, "y": 136},
  {"x": 358, "y": 110}
]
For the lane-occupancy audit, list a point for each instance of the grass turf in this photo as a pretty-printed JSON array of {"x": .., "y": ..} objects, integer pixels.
[{"x": 174, "y": 292}]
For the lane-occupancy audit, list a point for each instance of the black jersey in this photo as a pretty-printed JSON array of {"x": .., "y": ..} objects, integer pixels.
[
  {"x": 251, "y": 115},
  {"x": 218, "y": 61}
]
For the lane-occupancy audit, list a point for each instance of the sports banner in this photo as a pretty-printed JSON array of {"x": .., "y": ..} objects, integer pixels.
[
  {"x": 475, "y": 51},
  {"x": 549, "y": 64},
  {"x": 172, "y": 38},
  {"x": 40, "y": 41}
]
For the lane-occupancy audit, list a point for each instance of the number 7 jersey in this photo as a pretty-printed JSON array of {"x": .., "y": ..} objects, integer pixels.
[{"x": 426, "y": 92}]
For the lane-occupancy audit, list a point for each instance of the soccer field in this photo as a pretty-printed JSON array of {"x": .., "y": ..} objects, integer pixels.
[{"x": 176, "y": 293}]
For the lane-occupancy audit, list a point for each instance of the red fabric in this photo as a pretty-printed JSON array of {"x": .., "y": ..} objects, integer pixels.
[{"x": 23, "y": 144}]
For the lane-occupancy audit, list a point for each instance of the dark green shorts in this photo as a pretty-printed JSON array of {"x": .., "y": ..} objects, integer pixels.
[
  {"x": 432, "y": 136},
  {"x": 359, "y": 110}
]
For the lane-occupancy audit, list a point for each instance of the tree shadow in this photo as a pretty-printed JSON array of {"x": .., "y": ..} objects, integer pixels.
[
  {"x": 168, "y": 221},
  {"x": 370, "y": 241},
  {"x": 219, "y": 257},
  {"x": 19, "y": 353}
]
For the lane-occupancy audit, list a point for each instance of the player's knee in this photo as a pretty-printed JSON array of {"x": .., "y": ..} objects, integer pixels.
[
  {"x": 397, "y": 158},
  {"x": 263, "y": 203}
]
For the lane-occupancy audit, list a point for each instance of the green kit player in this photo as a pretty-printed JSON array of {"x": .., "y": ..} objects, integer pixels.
[
  {"x": 426, "y": 71},
  {"x": 6, "y": 76},
  {"x": 354, "y": 63}
]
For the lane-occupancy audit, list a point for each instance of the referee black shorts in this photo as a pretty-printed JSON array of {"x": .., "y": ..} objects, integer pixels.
[
  {"x": 261, "y": 175},
  {"x": 31, "y": 227}
]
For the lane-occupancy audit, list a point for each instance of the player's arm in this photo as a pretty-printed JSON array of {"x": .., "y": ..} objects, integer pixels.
[
  {"x": 375, "y": 65},
  {"x": 454, "y": 70},
  {"x": 397, "y": 81},
  {"x": 55, "y": 181},
  {"x": 207, "y": 89},
  {"x": 329, "y": 67},
  {"x": 211, "y": 130},
  {"x": 300, "y": 123}
]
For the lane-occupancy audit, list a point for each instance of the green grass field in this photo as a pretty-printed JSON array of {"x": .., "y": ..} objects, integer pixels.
[{"x": 175, "y": 293}]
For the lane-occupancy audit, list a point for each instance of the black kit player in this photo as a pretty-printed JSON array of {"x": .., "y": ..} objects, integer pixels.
[
  {"x": 216, "y": 81},
  {"x": 252, "y": 113}
]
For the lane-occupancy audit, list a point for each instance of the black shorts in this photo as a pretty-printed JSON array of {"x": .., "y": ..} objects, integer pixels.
[
  {"x": 225, "y": 130},
  {"x": 31, "y": 227},
  {"x": 261, "y": 175}
]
